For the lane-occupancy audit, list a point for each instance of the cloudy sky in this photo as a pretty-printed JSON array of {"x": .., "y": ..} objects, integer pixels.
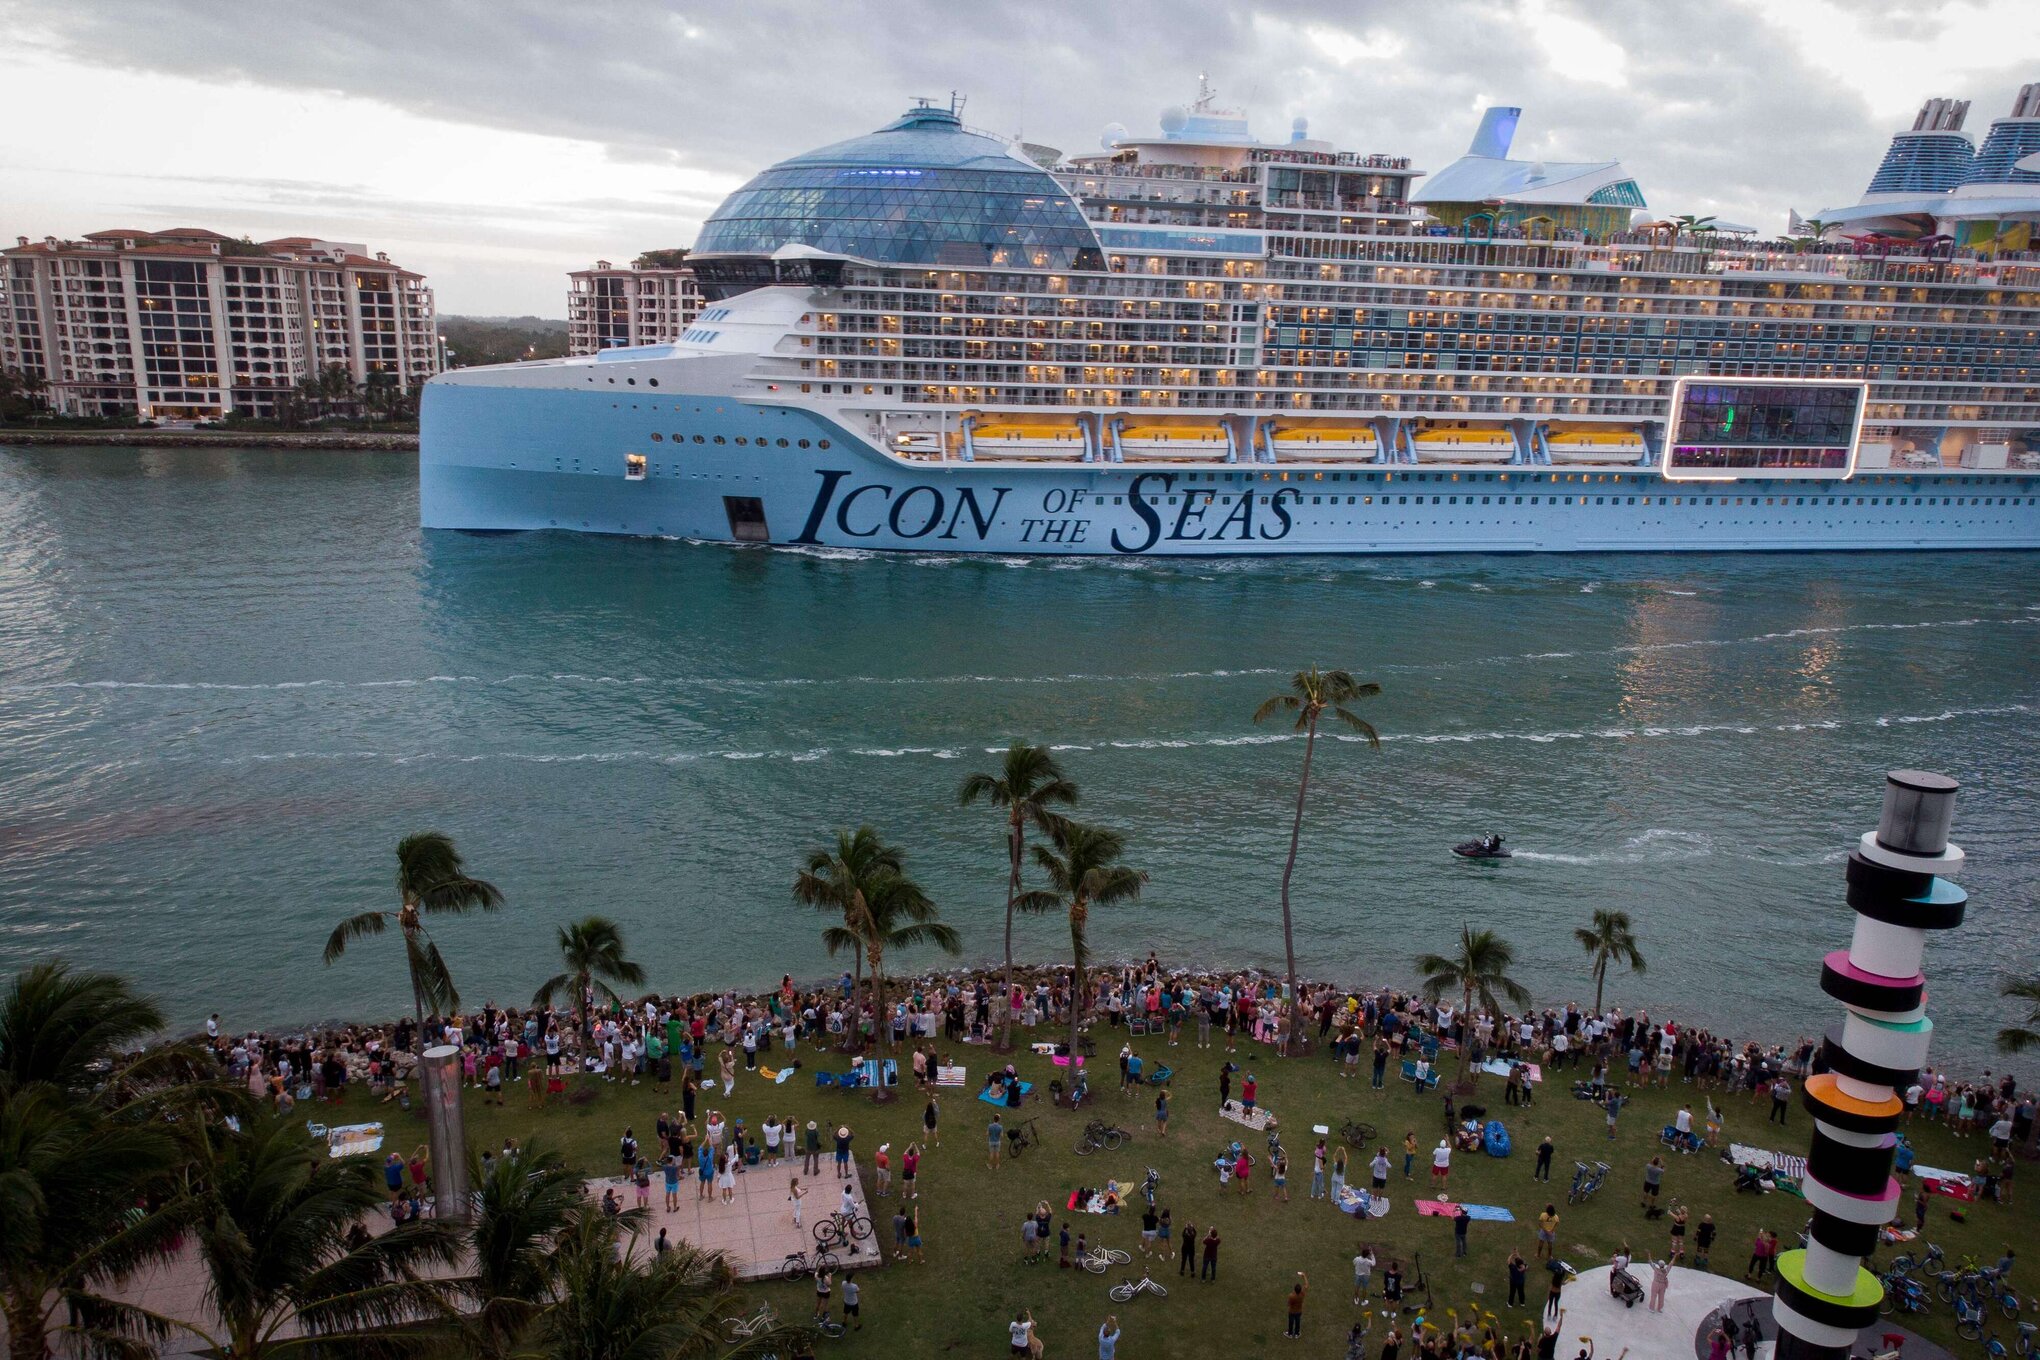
[{"x": 495, "y": 144}]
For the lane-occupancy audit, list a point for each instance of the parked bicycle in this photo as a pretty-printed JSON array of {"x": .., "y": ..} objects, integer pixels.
[
  {"x": 1098, "y": 1259},
  {"x": 1127, "y": 1289},
  {"x": 1151, "y": 1186},
  {"x": 800, "y": 1265},
  {"x": 840, "y": 1230},
  {"x": 757, "y": 1324},
  {"x": 1020, "y": 1137},
  {"x": 1586, "y": 1180},
  {"x": 1099, "y": 1134},
  {"x": 1358, "y": 1134}
]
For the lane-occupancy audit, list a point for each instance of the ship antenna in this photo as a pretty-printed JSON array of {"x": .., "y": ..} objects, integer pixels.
[
  {"x": 956, "y": 103},
  {"x": 1205, "y": 92}
]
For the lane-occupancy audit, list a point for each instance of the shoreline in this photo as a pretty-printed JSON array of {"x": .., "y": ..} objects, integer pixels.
[{"x": 338, "y": 440}]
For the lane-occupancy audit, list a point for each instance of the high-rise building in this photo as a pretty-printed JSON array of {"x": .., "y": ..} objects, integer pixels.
[
  {"x": 191, "y": 324},
  {"x": 650, "y": 302}
]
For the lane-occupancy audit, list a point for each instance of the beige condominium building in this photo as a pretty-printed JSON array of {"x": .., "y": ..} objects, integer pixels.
[
  {"x": 190, "y": 324},
  {"x": 649, "y": 302}
]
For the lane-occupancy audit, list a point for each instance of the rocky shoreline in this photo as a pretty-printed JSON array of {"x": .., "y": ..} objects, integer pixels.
[{"x": 344, "y": 440}]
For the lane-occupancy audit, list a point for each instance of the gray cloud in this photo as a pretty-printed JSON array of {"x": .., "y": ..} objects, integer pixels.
[{"x": 1709, "y": 107}]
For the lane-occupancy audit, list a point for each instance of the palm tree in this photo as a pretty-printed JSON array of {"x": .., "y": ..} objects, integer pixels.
[
  {"x": 1312, "y": 694},
  {"x": 1609, "y": 940},
  {"x": 883, "y": 908},
  {"x": 834, "y": 882},
  {"x": 431, "y": 879},
  {"x": 281, "y": 1276},
  {"x": 2024, "y": 1035},
  {"x": 523, "y": 1208},
  {"x": 607, "y": 1306},
  {"x": 86, "y": 1135},
  {"x": 1028, "y": 786},
  {"x": 1083, "y": 871},
  {"x": 592, "y": 950},
  {"x": 1478, "y": 971}
]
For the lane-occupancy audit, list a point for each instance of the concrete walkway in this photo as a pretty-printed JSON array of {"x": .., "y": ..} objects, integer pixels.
[{"x": 756, "y": 1228}]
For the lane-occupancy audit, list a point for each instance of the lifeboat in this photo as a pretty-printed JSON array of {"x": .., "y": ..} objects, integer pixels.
[
  {"x": 1309, "y": 443},
  {"x": 1175, "y": 443},
  {"x": 1060, "y": 441},
  {"x": 1594, "y": 446},
  {"x": 1463, "y": 444}
]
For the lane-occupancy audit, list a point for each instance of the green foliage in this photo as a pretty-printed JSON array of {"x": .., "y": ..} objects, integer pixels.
[
  {"x": 472, "y": 341},
  {"x": 669, "y": 258},
  {"x": 1083, "y": 871},
  {"x": 1478, "y": 971},
  {"x": 592, "y": 951},
  {"x": 1609, "y": 940},
  {"x": 1028, "y": 788},
  {"x": 21, "y": 395}
]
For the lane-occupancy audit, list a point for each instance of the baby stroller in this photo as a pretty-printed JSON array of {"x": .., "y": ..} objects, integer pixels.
[{"x": 1625, "y": 1288}]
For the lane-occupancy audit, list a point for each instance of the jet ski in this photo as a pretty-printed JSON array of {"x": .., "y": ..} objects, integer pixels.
[{"x": 1481, "y": 847}]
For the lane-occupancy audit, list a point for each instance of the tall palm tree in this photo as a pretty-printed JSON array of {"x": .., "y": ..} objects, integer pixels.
[
  {"x": 432, "y": 879},
  {"x": 885, "y": 909},
  {"x": 834, "y": 882},
  {"x": 1028, "y": 787},
  {"x": 608, "y": 1306},
  {"x": 1478, "y": 971},
  {"x": 281, "y": 1276},
  {"x": 1609, "y": 940},
  {"x": 1083, "y": 871},
  {"x": 592, "y": 950},
  {"x": 523, "y": 1209},
  {"x": 86, "y": 1135},
  {"x": 1310, "y": 696}
]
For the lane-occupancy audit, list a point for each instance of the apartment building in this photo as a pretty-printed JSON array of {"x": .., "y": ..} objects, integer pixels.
[
  {"x": 190, "y": 324},
  {"x": 648, "y": 302}
]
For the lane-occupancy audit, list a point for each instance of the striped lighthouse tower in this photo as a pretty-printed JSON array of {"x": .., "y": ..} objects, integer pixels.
[{"x": 1825, "y": 1295}]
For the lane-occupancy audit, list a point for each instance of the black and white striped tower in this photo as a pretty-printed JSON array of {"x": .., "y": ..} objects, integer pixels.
[{"x": 1825, "y": 1294}]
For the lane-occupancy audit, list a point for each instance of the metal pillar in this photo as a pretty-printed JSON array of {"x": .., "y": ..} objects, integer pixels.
[
  {"x": 439, "y": 1082},
  {"x": 1825, "y": 1295}
]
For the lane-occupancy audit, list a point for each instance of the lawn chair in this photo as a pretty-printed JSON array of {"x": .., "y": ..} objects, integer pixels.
[
  {"x": 1409, "y": 1074},
  {"x": 1136, "y": 1024}
]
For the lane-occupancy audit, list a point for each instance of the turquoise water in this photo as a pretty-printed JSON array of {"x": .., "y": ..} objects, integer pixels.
[{"x": 229, "y": 681}]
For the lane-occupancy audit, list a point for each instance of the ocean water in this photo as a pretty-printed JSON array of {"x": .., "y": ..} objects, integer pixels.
[{"x": 230, "y": 681}]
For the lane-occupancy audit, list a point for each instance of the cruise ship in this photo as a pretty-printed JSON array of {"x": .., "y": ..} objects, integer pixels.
[{"x": 931, "y": 338}]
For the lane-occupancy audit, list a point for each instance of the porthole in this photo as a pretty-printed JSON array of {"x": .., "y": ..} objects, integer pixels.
[
  {"x": 658, "y": 438},
  {"x": 822, "y": 443},
  {"x": 631, "y": 381},
  {"x": 803, "y": 443},
  {"x": 742, "y": 440},
  {"x": 652, "y": 381},
  {"x": 720, "y": 440},
  {"x": 782, "y": 443},
  {"x": 698, "y": 439}
]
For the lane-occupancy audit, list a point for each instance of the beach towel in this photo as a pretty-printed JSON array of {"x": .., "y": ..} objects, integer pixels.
[
  {"x": 949, "y": 1076},
  {"x": 1953, "y": 1184},
  {"x": 351, "y": 1139},
  {"x": 1499, "y": 1067},
  {"x": 1479, "y": 1213},
  {"x": 867, "y": 1072},
  {"x": 1063, "y": 1060},
  {"x": 1000, "y": 1099},
  {"x": 1784, "y": 1163},
  {"x": 1349, "y": 1203},
  {"x": 1257, "y": 1120},
  {"x": 776, "y": 1075}
]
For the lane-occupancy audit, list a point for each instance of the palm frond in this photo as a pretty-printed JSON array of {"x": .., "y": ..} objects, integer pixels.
[
  {"x": 353, "y": 928},
  {"x": 1276, "y": 703},
  {"x": 1358, "y": 724}
]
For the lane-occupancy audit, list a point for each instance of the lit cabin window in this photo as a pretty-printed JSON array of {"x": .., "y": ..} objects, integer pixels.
[{"x": 634, "y": 467}]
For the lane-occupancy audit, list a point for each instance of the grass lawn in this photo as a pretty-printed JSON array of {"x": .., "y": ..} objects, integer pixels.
[{"x": 972, "y": 1282}]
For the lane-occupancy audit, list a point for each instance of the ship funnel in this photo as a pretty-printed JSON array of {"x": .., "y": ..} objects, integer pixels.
[
  {"x": 1497, "y": 130},
  {"x": 1941, "y": 115}
]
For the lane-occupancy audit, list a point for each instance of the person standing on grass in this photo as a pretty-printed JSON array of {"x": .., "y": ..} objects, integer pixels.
[
  {"x": 669, "y": 1167},
  {"x": 1249, "y": 1089},
  {"x": 910, "y": 1172},
  {"x": 1296, "y": 1293},
  {"x": 1108, "y": 1338},
  {"x": 1162, "y": 1113},
  {"x": 930, "y": 1123},
  {"x": 1242, "y": 1171},
  {"x": 914, "y": 1234},
  {"x": 1460, "y": 1219},
  {"x": 1317, "y": 1170},
  {"x": 1703, "y": 1241},
  {"x": 1409, "y": 1154},
  {"x": 1542, "y": 1171},
  {"x": 1547, "y": 1232},
  {"x": 1211, "y": 1240},
  {"x": 1062, "y": 1247},
  {"x": 1653, "y": 1181},
  {"x": 1781, "y": 1099},
  {"x": 1441, "y": 1164},
  {"x": 995, "y": 1140},
  {"x": 1553, "y": 1308},
  {"x": 1278, "y": 1167},
  {"x": 1189, "y": 1253},
  {"x": 823, "y": 1281},
  {"x": 1378, "y": 1169},
  {"x": 1363, "y": 1274},
  {"x": 1150, "y": 1229},
  {"x": 881, "y": 1170},
  {"x": 1519, "y": 1275},
  {"x": 1021, "y": 1332},
  {"x": 1338, "y": 1174}
]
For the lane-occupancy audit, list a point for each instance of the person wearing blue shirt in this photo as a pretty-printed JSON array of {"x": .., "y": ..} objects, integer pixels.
[{"x": 1108, "y": 1339}]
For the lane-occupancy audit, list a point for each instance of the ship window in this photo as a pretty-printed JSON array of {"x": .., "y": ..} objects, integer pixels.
[
  {"x": 720, "y": 440},
  {"x": 634, "y": 467},
  {"x": 1367, "y": 500},
  {"x": 782, "y": 443},
  {"x": 658, "y": 438},
  {"x": 631, "y": 381},
  {"x": 653, "y": 381},
  {"x": 698, "y": 439},
  {"x": 1402, "y": 500},
  {"x": 821, "y": 443},
  {"x": 742, "y": 440}
]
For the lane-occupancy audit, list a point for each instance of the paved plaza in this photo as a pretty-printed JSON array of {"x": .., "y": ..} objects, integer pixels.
[{"x": 756, "y": 1228}]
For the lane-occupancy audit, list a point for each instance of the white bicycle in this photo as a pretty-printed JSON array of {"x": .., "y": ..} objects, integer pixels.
[
  {"x": 1126, "y": 1289},
  {"x": 1098, "y": 1259}
]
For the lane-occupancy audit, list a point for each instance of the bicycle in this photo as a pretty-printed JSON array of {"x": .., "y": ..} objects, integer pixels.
[
  {"x": 1021, "y": 1137},
  {"x": 1127, "y": 1289},
  {"x": 840, "y": 1230},
  {"x": 1098, "y": 1259},
  {"x": 827, "y": 1325},
  {"x": 760, "y": 1322},
  {"x": 800, "y": 1265},
  {"x": 1358, "y": 1134},
  {"x": 1099, "y": 1134},
  {"x": 1150, "y": 1186},
  {"x": 1586, "y": 1180}
]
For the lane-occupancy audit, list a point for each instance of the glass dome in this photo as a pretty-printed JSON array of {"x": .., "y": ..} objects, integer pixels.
[{"x": 920, "y": 190}]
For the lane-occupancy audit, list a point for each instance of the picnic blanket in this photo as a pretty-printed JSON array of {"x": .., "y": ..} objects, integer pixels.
[
  {"x": 868, "y": 1070},
  {"x": 1349, "y": 1203},
  {"x": 1479, "y": 1213},
  {"x": 776, "y": 1075},
  {"x": 1784, "y": 1163},
  {"x": 1094, "y": 1205},
  {"x": 1953, "y": 1184},
  {"x": 1499, "y": 1067},
  {"x": 950, "y": 1076},
  {"x": 350, "y": 1139},
  {"x": 1000, "y": 1099},
  {"x": 1063, "y": 1060},
  {"x": 1257, "y": 1119}
]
